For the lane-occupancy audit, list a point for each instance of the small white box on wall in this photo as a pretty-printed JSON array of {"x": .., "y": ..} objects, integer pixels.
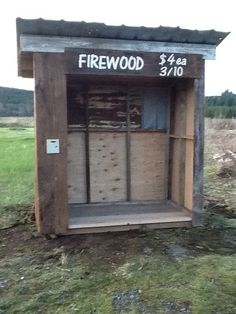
[{"x": 53, "y": 146}]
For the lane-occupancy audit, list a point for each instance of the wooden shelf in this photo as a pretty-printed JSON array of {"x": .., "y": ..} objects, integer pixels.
[
  {"x": 183, "y": 137},
  {"x": 74, "y": 128},
  {"x": 85, "y": 216}
]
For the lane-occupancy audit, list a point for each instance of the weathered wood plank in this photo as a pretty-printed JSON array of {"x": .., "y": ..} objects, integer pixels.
[
  {"x": 177, "y": 175},
  {"x": 177, "y": 143},
  {"x": 144, "y": 227},
  {"x": 189, "y": 144},
  {"x": 50, "y": 122},
  {"x": 198, "y": 207},
  {"x": 91, "y": 216},
  {"x": 178, "y": 118},
  {"x": 36, "y": 43},
  {"x": 76, "y": 168},
  {"x": 190, "y": 110},
  {"x": 188, "y": 169}
]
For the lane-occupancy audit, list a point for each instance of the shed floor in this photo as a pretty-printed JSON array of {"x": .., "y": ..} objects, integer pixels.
[{"x": 82, "y": 216}]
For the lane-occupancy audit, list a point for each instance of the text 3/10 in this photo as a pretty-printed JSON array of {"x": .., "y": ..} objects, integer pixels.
[{"x": 171, "y": 65}]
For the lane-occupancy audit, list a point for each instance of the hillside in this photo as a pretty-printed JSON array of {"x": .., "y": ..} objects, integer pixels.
[
  {"x": 15, "y": 102},
  {"x": 19, "y": 103}
]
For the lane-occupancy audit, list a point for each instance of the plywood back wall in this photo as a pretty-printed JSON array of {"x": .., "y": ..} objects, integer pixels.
[
  {"x": 107, "y": 166},
  {"x": 148, "y": 163}
]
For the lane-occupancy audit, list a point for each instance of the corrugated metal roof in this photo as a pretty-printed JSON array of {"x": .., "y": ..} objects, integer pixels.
[{"x": 99, "y": 30}]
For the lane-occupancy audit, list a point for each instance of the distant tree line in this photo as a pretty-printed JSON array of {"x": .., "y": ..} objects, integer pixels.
[
  {"x": 223, "y": 106},
  {"x": 15, "y": 102},
  {"x": 19, "y": 102}
]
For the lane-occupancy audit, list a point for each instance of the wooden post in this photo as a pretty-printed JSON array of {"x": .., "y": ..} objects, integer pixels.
[
  {"x": 50, "y": 123},
  {"x": 87, "y": 145},
  {"x": 128, "y": 141},
  {"x": 177, "y": 143},
  {"x": 198, "y": 198}
]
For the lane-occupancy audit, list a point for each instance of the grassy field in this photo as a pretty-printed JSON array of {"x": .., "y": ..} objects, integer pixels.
[
  {"x": 17, "y": 174},
  {"x": 163, "y": 271}
]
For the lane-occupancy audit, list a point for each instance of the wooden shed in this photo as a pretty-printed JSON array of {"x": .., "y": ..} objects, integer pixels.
[{"x": 119, "y": 124}]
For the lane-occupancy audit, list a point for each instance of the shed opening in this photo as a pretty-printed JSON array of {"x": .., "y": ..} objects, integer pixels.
[{"x": 121, "y": 155}]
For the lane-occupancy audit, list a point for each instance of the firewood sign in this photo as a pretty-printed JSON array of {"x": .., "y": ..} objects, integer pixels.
[{"x": 127, "y": 63}]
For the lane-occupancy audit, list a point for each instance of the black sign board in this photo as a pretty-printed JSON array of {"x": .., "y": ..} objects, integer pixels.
[{"x": 128, "y": 63}]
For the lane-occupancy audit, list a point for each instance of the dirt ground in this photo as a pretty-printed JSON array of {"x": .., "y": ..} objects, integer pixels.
[
  {"x": 22, "y": 245},
  {"x": 25, "y": 239},
  {"x": 185, "y": 270}
]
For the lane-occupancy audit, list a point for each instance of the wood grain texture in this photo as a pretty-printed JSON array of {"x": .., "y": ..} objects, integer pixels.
[
  {"x": 148, "y": 153},
  {"x": 142, "y": 227},
  {"x": 93, "y": 215},
  {"x": 198, "y": 208},
  {"x": 190, "y": 109},
  {"x": 107, "y": 166},
  {"x": 189, "y": 143},
  {"x": 188, "y": 180},
  {"x": 178, "y": 112},
  {"x": 177, "y": 143},
  {"x": 76, "y": 168},
  {"x": 50, "y": 122},
  {"x": 177, "y": 176},
  {"x": 37, "y": 43}
]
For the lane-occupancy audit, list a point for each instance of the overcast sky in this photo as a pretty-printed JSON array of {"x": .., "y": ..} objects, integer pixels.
[{"x": 200, "y": 14}]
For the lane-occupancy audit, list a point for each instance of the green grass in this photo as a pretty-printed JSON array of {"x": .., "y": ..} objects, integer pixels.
[
  {"x": 17, "y": 171},
  {"x": 84, "y": 274},
  {"x": 109, "y": 265}
]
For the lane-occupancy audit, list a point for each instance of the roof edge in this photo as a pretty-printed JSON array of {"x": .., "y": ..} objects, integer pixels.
[{"x": 101, "y": 30}]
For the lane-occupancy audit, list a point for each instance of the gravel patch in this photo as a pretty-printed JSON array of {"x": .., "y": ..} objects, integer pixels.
[
  {"x": 173, "y": 308},
  {"x": 177, "y": 251},
  {"x": 129, "y": 300}
]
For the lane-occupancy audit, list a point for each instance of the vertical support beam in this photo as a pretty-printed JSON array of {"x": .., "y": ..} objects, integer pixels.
[
  {"x": 167, "y": 154},
  {"x": 50, "y": 123},
  {"x": 198, "y": 152},
  {"x": 177, "y": 143},
  {"x": 128, "y": 157},
  {"x": 87, "y": 157},
  {"x": 189, "y": 146}
]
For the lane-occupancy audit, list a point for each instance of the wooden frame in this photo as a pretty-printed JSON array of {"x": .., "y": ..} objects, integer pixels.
[
  {"x": 51, "y": 199},
  {"x": 184, "y": 139},
  {"x": 185, "y": 142}
]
